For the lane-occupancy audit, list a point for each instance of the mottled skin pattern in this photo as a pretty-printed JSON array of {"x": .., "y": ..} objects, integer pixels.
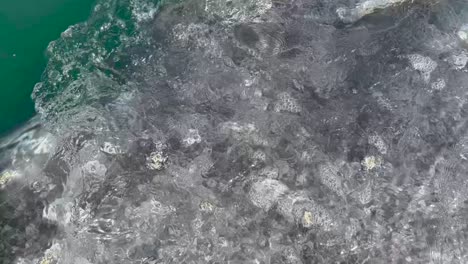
[{"x": 262, "y": 133}]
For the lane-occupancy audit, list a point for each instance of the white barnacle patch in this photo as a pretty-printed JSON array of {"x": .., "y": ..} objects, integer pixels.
[
  {"x": 307, "y": 219},
  {"x": 7, "y": 176},
  {"x": 423, "y": 64},
  {"x": 52, "y": 254},
  {"x": 237, "y": 10},
  {"x": 438, "y": 85},
  {"x": 192, "y": 137},
  {"x": 306, "y": 212},
  {"x": 371, "y": 162},
  {"x": 286, "y": 103},
  {"x": 258, "y": 157},
  {"x": 110, "y": 148},
  {"x": 238, "y": 128},
  {"x": 365, "y": 194},
  {"x": 266, "y": 193},
  {"x": 207, "y": 207},
  {"x": 156, "y": 161}
]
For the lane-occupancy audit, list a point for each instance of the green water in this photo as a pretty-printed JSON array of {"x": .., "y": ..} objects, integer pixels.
[{"x": 26, "y": 28}]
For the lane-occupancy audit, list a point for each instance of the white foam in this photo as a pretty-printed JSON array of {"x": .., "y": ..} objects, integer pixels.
[
  {"x": 143, "y": 11},
  {"x": 463, "y": 33},
  {"x": 238, "y": 10},
  {"x": 364, "y": 8}
]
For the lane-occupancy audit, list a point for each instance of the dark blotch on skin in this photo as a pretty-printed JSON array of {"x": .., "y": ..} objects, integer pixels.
[{"x": 246, "y": 35}]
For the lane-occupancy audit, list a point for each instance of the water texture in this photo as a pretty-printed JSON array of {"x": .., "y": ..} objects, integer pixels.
[
  {"x": 26, "y": 27},
  {"x": 246, "y": 132}
]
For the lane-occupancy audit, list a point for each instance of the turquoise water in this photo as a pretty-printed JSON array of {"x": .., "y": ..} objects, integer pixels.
[{"x": 26, "y": 28}]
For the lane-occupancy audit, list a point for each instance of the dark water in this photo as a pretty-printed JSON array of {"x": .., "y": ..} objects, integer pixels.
[{"x": 26, "y": 28}]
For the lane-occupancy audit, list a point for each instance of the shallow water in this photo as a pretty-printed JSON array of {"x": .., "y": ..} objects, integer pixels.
[
  {"x": 246, "y": 132},
  {"x": 26, "y": 28}
]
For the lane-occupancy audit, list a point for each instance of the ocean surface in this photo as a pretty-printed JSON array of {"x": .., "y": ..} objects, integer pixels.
[
  {"x": 26, "y": 28},
  {"x": 244, "y": 131}
]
